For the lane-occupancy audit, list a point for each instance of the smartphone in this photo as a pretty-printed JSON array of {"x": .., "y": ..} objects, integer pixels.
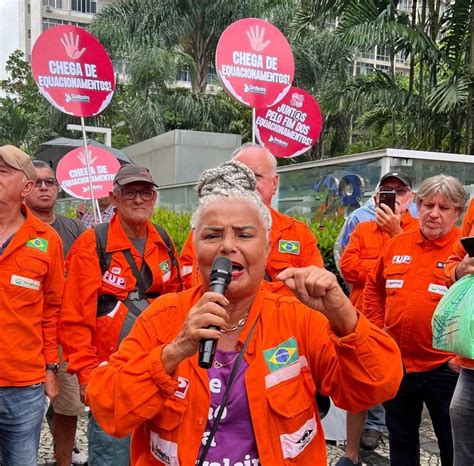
[
  {"x": 468, "y": 245},
  {"x": 388, "y": 198}
]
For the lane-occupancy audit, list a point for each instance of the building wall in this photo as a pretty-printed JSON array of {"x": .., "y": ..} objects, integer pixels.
[{"x": 180, "y": 156}]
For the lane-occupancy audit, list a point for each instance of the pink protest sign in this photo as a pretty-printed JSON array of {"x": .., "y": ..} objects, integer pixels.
[
  {"x": 290, "y": 127},
  {"x": 73, "y": 71},
  {"x": 255, "y": 62},
  {"x": 73, "y": 176}
]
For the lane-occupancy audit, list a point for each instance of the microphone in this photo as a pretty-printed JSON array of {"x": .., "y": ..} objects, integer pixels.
[{"x": 219, "y": 279}]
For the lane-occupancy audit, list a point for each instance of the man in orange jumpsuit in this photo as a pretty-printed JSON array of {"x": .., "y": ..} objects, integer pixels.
[
  {"x": 292, "y": 243},
  {"x": 31, "y": 289},
  {"x": 401, "y": 295},
  {"x": 104, "y": 295},
  {"x": 365, "y": 246}
]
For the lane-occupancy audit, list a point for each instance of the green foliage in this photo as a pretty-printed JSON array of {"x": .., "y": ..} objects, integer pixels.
[{"x": 177, "y": 224}]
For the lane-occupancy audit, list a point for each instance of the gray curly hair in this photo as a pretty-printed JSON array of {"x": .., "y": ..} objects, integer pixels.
[{"x": 230, "y": 180}]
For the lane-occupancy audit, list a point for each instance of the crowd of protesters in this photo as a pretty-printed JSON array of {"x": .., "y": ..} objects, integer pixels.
[{"x": 112, "y": 317}]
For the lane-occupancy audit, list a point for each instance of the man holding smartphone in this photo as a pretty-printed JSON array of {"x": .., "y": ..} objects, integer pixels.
[{"x": 392, "y": 198}]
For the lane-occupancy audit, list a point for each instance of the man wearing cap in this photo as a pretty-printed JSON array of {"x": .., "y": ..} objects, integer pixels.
[
  {"x": 292, "y": 242},
  {"x": 365, "y": 246},
  {"x": 112, "y": 275},
  {"x": 62, "y": 413},
  {"x": 31, "y": 288},
  {"x": 367, "y": 212}
]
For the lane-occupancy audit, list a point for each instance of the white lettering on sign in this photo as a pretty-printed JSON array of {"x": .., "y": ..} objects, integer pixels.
[{"x": 67, "y": 68}]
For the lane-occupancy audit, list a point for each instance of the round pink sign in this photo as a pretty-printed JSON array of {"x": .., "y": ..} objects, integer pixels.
[
  {"x": 254, "y": 62},
  {"x": 73, "y": 71},
  {"x": 72, "y": 173},
  {"x": 290, "y": 127}
]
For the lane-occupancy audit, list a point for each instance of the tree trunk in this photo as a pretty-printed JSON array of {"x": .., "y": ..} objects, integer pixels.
[
  {"x": 470, "y": 106},
  {"x": 412, "y": 56}
]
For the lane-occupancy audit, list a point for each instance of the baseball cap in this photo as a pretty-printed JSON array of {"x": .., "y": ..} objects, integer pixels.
[
  {"x": 400, "y": 176},
  {"x": 18, "y": 160},
  {"x": 131, "y": 173}
]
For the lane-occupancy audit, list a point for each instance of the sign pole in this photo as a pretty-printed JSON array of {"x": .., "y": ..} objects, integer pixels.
[
  {"x": 88, "y": 161},
  {"x": 253, "y": 125}
]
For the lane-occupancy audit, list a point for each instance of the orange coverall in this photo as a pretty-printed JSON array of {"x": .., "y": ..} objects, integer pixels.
[
  {"x": 292, "y": 245},
  {"x": 133, "y": 393},
  {"x": 87, "y": 339},
  {"x": 457, "y": 255},
  {"x": 365, "y": 245},
  {"x": 31, "y": 289},
  {"x": 402, "y": 292}
]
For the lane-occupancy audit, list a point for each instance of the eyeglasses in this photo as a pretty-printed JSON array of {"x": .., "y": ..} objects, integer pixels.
[
  {"x": 130, "y": 194},
  {"x": 49, "y": 182},
  {"x": 400, "y": 190}
]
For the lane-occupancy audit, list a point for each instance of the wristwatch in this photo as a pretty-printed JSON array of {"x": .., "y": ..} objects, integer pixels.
[{"x": 53, "y": 367}]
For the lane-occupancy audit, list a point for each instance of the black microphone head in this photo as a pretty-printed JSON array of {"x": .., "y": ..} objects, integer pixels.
[{"x": 221, "y": 270}]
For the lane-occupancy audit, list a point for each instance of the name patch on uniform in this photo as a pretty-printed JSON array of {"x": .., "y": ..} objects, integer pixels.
[
  {"x": 283, "y": 355},
  {"x": 165, "y": 268},
  {"x": 38, "y": 243},
  {"x": 25, "y": 282},
  {"x": 114, "y": 280},
  {"x": 401, "y": 259},
  {"x": 440, "y": 265},
  {"x": 394, "y": 283},
  {"x": 164, "y": 450},
  {"x": 438, "y": 289},
  {"x": 183, "y": 385},
  {"x": 289, "y": 247}
]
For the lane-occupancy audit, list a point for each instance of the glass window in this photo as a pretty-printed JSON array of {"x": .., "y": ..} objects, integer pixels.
[
  {"x": 84, "y": 6},
  {"x": 368, "y": 53},
  {"x": 184, "y": 75},
  {"x": 53, "y": 3},
  {"x": 383, "y": 53}
]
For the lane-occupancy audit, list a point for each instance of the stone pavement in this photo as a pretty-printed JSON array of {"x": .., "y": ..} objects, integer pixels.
[{"x": 379, "y": 457}]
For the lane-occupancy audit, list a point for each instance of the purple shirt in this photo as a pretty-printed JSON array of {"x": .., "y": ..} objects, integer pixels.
[{"x": 234, "y": 442}]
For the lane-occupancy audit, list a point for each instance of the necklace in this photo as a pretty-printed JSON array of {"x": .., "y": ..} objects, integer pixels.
[
  {"x": 218, "y": 365},
  {"x": 239, "y": 323}
]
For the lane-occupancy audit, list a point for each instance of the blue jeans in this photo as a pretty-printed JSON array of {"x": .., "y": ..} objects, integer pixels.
[
  {"x": 462, "y": 415},
  {"x": 105, "y": 450},
  {"x": 435, "y": 388},
  {"x": 21, "y": 416},
  {"x": 376, "y": 419}
]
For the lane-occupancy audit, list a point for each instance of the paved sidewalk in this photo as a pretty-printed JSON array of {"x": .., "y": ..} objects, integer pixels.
[{"x": 379, "y": 457}]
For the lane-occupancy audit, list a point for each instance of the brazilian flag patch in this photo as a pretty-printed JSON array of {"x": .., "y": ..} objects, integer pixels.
[
  {"x": 38, "y": 243},
  {"x": 283, "y": 355},
  {"x": 165, "y": 266},
  {"x": 289, "y": 247}
]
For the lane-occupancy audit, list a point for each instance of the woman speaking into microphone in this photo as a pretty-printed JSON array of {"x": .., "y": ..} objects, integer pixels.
[{"x": 255, "y": 401}]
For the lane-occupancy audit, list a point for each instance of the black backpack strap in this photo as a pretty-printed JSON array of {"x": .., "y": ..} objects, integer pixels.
[
  {"x": 169, "y": 245},
  {"x": 101, "y": 231}
]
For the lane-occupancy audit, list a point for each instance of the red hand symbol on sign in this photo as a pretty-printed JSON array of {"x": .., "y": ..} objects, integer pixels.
[
  {"x": 72, "y": 46},
  {"x": 83, "y": 160},
  {"x": 256, "y": 38}
]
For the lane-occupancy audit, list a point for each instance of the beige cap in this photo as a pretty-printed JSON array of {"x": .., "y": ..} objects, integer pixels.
[{"x": 18, "y": 160}]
